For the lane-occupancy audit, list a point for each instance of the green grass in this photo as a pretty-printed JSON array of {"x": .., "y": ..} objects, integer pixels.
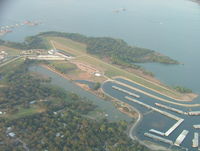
[
  {"x": 63, "y": 66},
  {"x": 109, "y": 70},
  {"x": 112, "y": 71},
  {"x": 22, "y": 113},
  {"x": 10, "y": 51},
  {"x": 69, "y": 43},
  {"x": 9, "y": 68}
]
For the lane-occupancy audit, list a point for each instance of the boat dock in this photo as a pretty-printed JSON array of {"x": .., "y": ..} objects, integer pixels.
[
  {"x": 153, "y": 108},
  {"x": 195, "y": 141},
  {"x": 157, "y": 132},
  {"x": 194, "y": 113},
  {"x": 169, "y": 131},
  {"x": 175, "y": 126},
  {"x": 197, "y": 126},
  {"x": 158, "y": 138},
  {"x": 181, "y": 137},
  {"x": 170, "y": 108},
  {"x": 125, "y": 91}
]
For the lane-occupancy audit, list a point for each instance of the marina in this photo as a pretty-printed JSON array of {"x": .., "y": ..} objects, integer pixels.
[
  {"x": 185, "y": 24},
  {"x": 176, "y": 130},
  {"x": 153, "y": 108}
]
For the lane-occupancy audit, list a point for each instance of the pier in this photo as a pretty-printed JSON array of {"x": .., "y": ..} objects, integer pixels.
[
  {"x": 195, "y": 141},
  {"x": 125, "y": 91},
  {"x": 168, "y": 132},
  {"x": 197, "y": 126},
  {"x": 158, "y": 138},
  {"x": 170, "y": 108},
  {"x": 194, "y": 113},
  {"x": 153, "y": 108},
  {"x": 181, "y": 137},
  {"x": 175, "y": 126},
  {"x": 157, "y": 132}
]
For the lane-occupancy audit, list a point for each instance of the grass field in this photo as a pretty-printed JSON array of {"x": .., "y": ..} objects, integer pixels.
[
  {"x": 109, "y": 70},
  {"x": 63, "y": 66},
  {"x": 23, "y": 113},
  {"x": 74, "y": 48},
  {"x": 10, "y": 51}
]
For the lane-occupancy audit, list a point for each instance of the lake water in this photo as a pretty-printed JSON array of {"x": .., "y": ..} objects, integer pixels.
[
  {"x": 106, "y": 108},
  {"x": 154, "y": 120},
  {"x": 167, "y": 26},
  {"x": 170, "y": 27}
]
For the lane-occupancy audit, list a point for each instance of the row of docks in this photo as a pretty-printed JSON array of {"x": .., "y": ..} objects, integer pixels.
[
  {"x": 158, "y": 138},
  {"x": 181, "y": 137},
  {"x": 125, "y": 91},
  {"x": 168, "y": 132},
  {"x": 177, "y": 110},
  {"x": 153, "y": 108},
  {"x": 170, "y": 108}
]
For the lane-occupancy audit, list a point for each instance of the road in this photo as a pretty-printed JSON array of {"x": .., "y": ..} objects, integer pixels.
[{"x": 9, "y": 61}]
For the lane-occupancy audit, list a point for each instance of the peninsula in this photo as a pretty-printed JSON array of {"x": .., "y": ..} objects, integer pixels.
[{"x": 103, "y": 66}]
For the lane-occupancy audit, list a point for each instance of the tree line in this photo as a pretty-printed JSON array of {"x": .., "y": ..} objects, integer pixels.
[{"x": 62, "y": 125}]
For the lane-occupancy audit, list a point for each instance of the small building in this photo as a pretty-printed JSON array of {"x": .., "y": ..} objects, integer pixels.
[
  {"x": 11, "y": 134},
  {"x": 32, "y": 102},
  {"x": 1, "y": 57},
  {"x": 97, "y": 74},
  {"x": 9, "y": 129},
  {"x": 51, "y": 52}
]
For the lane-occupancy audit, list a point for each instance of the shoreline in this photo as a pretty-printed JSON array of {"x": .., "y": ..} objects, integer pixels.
[
  {"x": 190, "y": 99},
  {"x": 131, "y": 129}
]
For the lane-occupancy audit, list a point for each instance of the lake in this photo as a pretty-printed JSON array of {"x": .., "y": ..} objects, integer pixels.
[{"x": 170, "y": 27}]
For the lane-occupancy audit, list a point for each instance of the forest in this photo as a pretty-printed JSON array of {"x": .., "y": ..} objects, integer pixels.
[
  {"x": 61, "y": 125},
  {"x": 116, "y": 49},
  {"x": 32, "y": 42}
]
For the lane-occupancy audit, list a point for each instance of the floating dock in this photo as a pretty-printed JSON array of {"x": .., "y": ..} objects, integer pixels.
[
  {"x": 196, "y": 126},
  {"x": 175, "y": 126},
  {"x": 181, "y": 137},
  {"x": 157, "y": 132},
  {"x": 195, "y": 141},
  {"x": 153, "y": 108},
  {"x": 170, "y": 108},
  {"x": 125, "y": 91},
  {"x": 158, "y": 138},
  {"x": 194, "y": 113}
]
